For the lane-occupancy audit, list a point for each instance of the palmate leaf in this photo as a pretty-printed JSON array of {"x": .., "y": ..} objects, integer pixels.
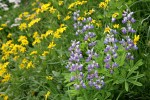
[{"x": 135, "y": 67}]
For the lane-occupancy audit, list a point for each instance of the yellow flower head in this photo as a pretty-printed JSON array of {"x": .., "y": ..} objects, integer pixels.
[
  {"x": 47, "y": 94},
  {"x": 9, "y": 35},
  {"x": 107, "y": 29},
  {"x": 33, "y": 53},
  {"x": 52, "y": 10},
  {"x": 45, "y": 53},
  {"x": 51, "y": 45},
  {"x": 136, "y": 39},
  {"x": 116, "y": 25},
  {"x": 103, "y": 5},
  {"x": 49, "y": 77},
  {"x": 115, "y": 15},
  {"x": 6, "y": 78},
  {"x": 60, "y": 3}
]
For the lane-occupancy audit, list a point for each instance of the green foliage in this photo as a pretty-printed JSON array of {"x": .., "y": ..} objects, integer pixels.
[{"x": 130, "y": 80}]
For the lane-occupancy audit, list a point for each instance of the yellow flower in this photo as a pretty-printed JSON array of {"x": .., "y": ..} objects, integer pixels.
[
  {"x": 49, "y": 32},
  {"x": 15, "y": 58},
  {"x": 35, "y": 34},
  {"x": 45, "y": 7},
  {"x": 107, "y": 1},
  {"x": 115, "y": 15},
  {"x": 9, "y": 35},
  {"x": 45, "y": 53},
  {"x": 58, "y": 16},
  {"x": 136, "y": 39},
  {"x": 103, "y": 5},
  {"x": 107, "y": 29},
  {"x": 33, "y": 53},
  {"x": 51, "y": 45},
  {"x": 93, "y": 21},
  {"x": 23, "y": 40},
  {"x": 1, "y": 28},
  {"x": 3, "y": 25},
  {"x": 60, "y": 3},
  {"x": 5, "y": 97},
  {"x": 116, "y": 26},
  {"x": 67, "y": 17},
  {"x": 34, "y": 21},
  {"x": 30, "y": 64},
  {"x": 21, "y": 66},
  {"x": 23, "y": 26},
  {"x": 24, "y": 60},
  {"x": 80, "y": 18},
  {"x": 47, "y": 94},
  {"x": 6, "y": 78},
  {"x": 37, "y": 40},
  {"x": 49, "y": 77},
  {"x": 52, "y": 10},
  {"x": 91, "y": 11}
]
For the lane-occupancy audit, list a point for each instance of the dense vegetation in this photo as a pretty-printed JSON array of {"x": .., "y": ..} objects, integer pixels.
[{"x": 74, "y": 49}]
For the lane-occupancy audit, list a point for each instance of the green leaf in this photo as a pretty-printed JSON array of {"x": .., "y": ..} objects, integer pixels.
[
  {"x": 126, "y": 86},
  {"x": 56, "y": 74},
  {"x": 137, "y": 76},
  {"x": 135, "y": 83},
  {"x": 69, "y": 84},
  {"x": 73, "y": 92},
  {"x": 80, "y": 98},
  {"x": 138, "y": 63},
  {"x": 135, "y": 67}
]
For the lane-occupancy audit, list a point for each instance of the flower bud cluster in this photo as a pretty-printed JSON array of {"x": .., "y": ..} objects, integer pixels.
[
  {"x": 75, "y": 66},
  {"x": 94, "y": 80},
  {"x": 127, "y": 42},
  {"x": 128, "y": 20},
  {"x": 110, "y": 51},
  {"x": 129, "y": 45},
  {"x": 78, "y": 25}
]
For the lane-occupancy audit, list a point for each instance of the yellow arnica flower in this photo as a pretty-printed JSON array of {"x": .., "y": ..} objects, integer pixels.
[
  {"x": 5, "y": 97},
  {"x": 107, "y": 1},
  {"x": 116, "y": 25},
  {"x": 115, "y": 15},
  {"x": 1, "y": 28},
  {"x": 91, "y": 11},
  {"x": 34, "y": 21},
  {"x": 23, "y": 26},
  {"x": 66, "y": 18},
  {"x": 49, "y": 77},
  {"x": 6, "y": 78},
  {"x": 51, "y": 45},
  {"x": 60, "y": 3},
  {"x": 52, "y": 10},
  {"x": 9, "y": 35},
  {"x": 45, "y": 53},
  {"x": 3, "y": 25},
  {"x": 107, "y": 29},
  {"x": 47, "y": 94},
  {"x": 136, "y": 39},
  {"x": 33, "y": 53},
  {"x": 103, "y": 5}
]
